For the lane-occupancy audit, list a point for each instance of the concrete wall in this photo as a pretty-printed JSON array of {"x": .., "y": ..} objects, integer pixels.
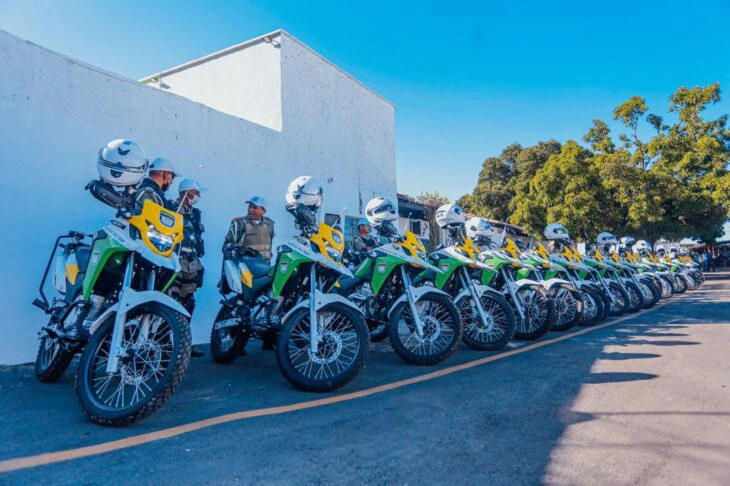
[
  {"x": 56, "y": 112},
  {"x": 245, "y": 83}
]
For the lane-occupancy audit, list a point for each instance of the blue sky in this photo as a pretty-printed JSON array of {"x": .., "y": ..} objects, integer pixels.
[{"x": 468, "y": 78}]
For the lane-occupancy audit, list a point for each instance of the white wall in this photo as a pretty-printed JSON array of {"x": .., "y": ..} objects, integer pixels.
[
  {"x": 245, "y": 83},
  {"x": 56, "y": 112}
]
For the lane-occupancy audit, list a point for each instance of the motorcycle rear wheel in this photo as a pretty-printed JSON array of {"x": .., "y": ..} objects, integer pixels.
[{"x": 52, "y": 360}]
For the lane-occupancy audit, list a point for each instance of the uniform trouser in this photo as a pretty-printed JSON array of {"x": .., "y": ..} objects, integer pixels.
[{"x": 187, "y": 282}]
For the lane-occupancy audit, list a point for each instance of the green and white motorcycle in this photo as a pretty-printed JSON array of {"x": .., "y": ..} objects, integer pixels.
[
  {"x": 423, "y": 323},
  {"x": 134, "y": 339},
  {"x": 534, "y": 309},
  {"x": 322, "y": 338},
  {"x": 488, "y": 321}
]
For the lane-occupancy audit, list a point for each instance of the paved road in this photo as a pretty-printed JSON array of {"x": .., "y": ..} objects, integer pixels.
[{"x": 645, "y": 401}]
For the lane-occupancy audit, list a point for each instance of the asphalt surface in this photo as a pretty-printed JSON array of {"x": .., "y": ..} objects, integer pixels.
[{"x": 644, "y": 401}]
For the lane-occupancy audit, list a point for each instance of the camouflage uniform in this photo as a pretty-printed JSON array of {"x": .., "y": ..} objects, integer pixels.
[
  {"x": 192, "y": 248},
  {"x": 244, "y": 234},
  {"x": 149, "y": 189}
]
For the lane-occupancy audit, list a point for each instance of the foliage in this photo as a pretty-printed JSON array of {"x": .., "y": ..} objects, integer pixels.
[{"x": 675, "y": 184}]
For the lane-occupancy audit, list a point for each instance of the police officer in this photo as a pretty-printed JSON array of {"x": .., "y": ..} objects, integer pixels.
[
  {"x": 192, "y": 248},
  {"x": 251, "y": 234},
  {"x": 159, "y": 180}
]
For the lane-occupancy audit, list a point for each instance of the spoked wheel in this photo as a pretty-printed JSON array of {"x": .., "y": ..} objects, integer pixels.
[
  {"x": 650, "y": 292},
  {"x": 692, "y": 283},
  {"x": 568, "y": 307},
  {"x": 339, "y": 357},
  {"x": 636, "y": 298},
  {"x": 53, "y": 359},
  {"x": 155, "y": 354},
  {"x": 441, "y": 330},
  {"x": 593, "y": 309},
  {"x": 227, "y": 337},
  {"x": 539, "y": 312},
  {"x": 620, "y": 302},
  {"x": 497, "y": 328},
  {"x": 680, "y": 284},
  {"x": 667, "y": 287}
]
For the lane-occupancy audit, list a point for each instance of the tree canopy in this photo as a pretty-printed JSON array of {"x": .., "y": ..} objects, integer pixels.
[{"x": 672, "y": 185}]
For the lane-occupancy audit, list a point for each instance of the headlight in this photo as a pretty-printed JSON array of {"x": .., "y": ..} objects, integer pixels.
[
  {"x": 333, "y": 253},
  {"x": 163, "y": 243}
]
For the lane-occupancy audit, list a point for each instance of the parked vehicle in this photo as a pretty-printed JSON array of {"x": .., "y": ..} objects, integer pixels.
[
  {"x": 134, "y": 339},
  {"x": 422, "y": 322},
  {"x": 322, "y": 338}
]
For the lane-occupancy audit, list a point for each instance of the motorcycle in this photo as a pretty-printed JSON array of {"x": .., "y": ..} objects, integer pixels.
[
  {"x": 423, "y": 324},
  {"x": 321, "y": 337},
  {"x": 534, "y": 309},
  {"x": 134, "y": 340},
  {"x": 488, "y": 321}
]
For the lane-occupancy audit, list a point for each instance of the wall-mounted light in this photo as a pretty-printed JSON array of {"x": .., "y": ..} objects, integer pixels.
[{"x": 269, "y": 40}]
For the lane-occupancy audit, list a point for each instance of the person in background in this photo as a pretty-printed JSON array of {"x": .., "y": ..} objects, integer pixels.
[
  {"x": 192, "y": 248},
  {"x": 155, "y": 185},
  {"x": 252, "y": 235}
]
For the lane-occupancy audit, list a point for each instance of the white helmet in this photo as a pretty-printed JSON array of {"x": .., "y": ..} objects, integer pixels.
[
  {"x": 673, "y": 251},
  {"x": 556, "y": 231},
  {"x": 479, "y": 228},
  {"x": 642, "y": 246},
  {"x": 450, "y": 215},
  {"x": 122, "y": 163},
  {"x": 606, "y": 238},
  {"x": 627, "y": 241},
  {"x": 380, "y": 209},
  {"x": 683, "y": 251},
  {"x": 304, "y": 190}
]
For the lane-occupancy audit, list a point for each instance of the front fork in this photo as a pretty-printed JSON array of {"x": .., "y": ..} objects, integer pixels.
[
  {"x": 467, "y": 282},
  {"x": 120, "y": 319},
  {"x": 509, "y": 282},
  {"x": 315, "y": 336},
  {"x": 411, "y": 301}
]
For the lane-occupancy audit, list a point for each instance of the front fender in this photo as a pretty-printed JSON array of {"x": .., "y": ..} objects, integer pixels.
[
  {"x": 554, "y": 282},
  {"x": 418, "y": 293},
  {"x": 132, "y": 299},
  {"x": 524, "y": 282},
  {"x": 322, "y": 299},
  {"x": 481, "y": 290}
]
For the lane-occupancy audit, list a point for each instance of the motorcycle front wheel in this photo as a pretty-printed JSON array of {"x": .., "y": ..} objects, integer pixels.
[
  {"x": 621, "y": 302},
  {"x": 636, "y": 297},
  {"x": 497, "y": 328},
  {"x": 156, "y": 346},
  {"x": 593, "y": 306},
  {"x": 441, "y": 330},
  {"x": 568, "y": 307},
  {"x": 340, "y": 355},
  {"x": 539, "y": 311}
]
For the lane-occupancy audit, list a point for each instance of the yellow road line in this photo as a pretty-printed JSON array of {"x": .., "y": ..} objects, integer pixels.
[{"x": 81, "y": 452}]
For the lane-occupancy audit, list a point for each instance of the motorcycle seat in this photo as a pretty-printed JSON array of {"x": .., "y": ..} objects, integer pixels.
[{"x": 258, "y": 266}]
